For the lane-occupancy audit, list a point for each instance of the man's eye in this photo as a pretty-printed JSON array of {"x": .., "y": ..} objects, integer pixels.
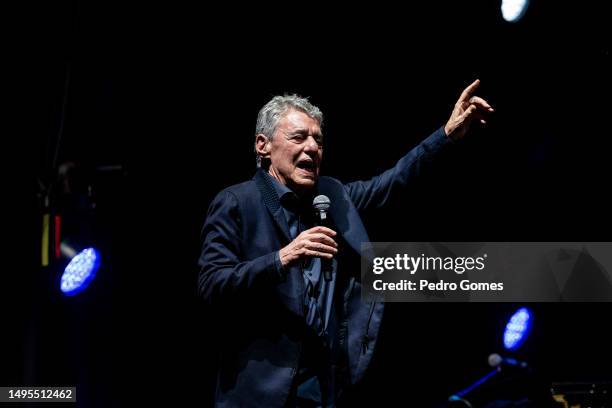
[{"x": 300, "y": 138}]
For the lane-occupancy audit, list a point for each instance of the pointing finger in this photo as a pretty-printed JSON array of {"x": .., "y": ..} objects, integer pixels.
[{"x": 467, "y": 92}]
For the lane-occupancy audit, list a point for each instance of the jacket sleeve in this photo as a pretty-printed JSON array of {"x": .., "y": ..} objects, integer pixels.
[
  {"x": 375, "y": 193},
  {"x": 224, "y": 273}
]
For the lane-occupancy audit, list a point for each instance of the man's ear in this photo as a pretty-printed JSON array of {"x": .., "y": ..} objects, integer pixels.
[{"x": 262, "y": 146}]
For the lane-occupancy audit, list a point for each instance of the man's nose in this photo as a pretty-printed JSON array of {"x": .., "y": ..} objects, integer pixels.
[{"x": 311, "y": 145}]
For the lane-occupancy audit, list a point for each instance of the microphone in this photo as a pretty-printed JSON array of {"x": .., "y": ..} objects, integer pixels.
[
  {"x": 495, "y": 360},
  {"x": 321, "y": 204}
]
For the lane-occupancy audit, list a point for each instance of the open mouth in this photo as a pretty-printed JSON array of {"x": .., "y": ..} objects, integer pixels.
[{"x": 307, "y": 166}]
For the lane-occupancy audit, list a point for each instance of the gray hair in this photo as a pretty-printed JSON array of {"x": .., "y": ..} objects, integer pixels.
[{"x": 273, "y": 111}]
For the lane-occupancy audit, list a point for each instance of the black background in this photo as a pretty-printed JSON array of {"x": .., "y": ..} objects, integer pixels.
[{"x": 172, "y": 92}]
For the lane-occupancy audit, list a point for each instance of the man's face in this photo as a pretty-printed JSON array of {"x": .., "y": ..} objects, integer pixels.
[{"x": 296, "y": 151}]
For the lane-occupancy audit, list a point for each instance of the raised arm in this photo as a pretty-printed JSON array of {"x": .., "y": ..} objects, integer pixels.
[{"x": 375, "y": 193}]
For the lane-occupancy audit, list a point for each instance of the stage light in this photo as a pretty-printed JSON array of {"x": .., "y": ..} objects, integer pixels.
[
  {"x": 517, "y": 329},
  {"x": 513, "y": 10},
  {"x": 516, "y": 332},
  {"x": 80, "y": 271}
]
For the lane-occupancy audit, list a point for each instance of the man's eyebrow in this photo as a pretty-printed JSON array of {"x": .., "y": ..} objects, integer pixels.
[
  {"x": 305, "y": 131},
  {"x": 299, "y": 130}
]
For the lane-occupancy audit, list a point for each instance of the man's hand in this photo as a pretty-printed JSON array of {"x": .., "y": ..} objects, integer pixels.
[
  {"x": 467, "y": 108},
  {"x": 314, "y": 242}
]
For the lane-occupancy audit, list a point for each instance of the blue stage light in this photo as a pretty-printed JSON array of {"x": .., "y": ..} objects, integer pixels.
[
  {"x": 517, "y": 329},
  {"x": 513, "y": 10},
  {"x": 80, "y": 271}
]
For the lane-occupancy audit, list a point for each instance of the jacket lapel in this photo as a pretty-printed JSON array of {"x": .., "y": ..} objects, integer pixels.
[
  {"x": 292, "y": 288},
  {"x": 270, "y": 198}
]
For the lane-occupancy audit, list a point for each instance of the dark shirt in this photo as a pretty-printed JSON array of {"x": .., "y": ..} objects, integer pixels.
[
  {"x": 300, "y": 217},
  {"x": 313, "y": 384}
]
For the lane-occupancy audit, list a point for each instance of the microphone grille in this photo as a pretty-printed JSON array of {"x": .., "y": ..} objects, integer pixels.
[
  {"x": 495, "y": 360},
  {"x": 321, "y": 203}
]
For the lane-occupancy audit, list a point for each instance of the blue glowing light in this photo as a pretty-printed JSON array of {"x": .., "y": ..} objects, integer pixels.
[
  {"x": 517, "y": 329},
  {"x": 513, "y": 10},
  {"x": 80, "y": 271}
]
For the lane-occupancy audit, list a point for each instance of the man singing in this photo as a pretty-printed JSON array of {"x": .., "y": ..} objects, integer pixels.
[{"x": 287, "y": 293}]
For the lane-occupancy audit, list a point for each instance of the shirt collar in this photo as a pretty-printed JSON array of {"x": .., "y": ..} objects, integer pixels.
[{"x": 288, "y": 198}]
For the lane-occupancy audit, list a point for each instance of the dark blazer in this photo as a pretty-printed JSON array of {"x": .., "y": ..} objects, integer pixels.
[{"x": 259, "y": 307}]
